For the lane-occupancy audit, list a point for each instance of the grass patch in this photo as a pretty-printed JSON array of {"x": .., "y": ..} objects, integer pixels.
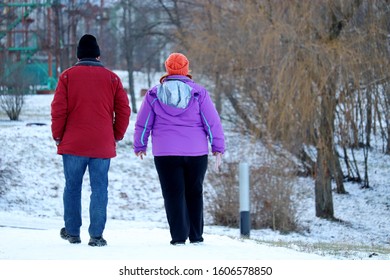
[{"x": 338, "y": 250}]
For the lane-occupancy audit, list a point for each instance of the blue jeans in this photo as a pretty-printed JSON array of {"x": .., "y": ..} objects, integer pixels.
[{"x": 74, "y": 170}]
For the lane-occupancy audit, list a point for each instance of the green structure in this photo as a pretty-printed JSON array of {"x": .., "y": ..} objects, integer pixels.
[{"x": 23, "y": 53}]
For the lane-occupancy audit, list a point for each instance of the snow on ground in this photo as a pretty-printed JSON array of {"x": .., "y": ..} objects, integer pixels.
[
  {"x": 31, "y": 208},
  {"x": 127, "y": 240}
]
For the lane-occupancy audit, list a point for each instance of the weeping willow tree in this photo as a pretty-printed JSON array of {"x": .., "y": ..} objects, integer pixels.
[{"x": 290, "y": 69}]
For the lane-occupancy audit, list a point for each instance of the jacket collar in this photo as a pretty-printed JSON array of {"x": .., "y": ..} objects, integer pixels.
[
  {"x": 167, "y": 77},
  {"x": 89, "y": 62}
]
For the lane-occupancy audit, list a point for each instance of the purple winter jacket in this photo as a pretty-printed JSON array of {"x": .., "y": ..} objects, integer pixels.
[{"x": 181, "y": 117}]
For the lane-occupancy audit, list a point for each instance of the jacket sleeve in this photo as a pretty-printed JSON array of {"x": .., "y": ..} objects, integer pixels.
[
  {"x": 122, "y": 111},
  {"x": 144, "y": 124},
  {"x": 212, "y": 124},
  {"x": 59, "y": 109}
]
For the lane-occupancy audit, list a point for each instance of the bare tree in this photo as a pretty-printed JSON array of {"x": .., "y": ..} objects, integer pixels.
[
  {"x": 287, "y": 67},
  {"x": 143, "y": 27}
]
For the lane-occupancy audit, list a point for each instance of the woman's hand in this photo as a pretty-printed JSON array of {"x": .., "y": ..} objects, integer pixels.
[
  {"x": 141, "y": 154},
  {"x": 218, "y": 160}
]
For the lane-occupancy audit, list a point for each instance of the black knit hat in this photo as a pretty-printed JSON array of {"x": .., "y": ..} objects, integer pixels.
[{"x": 88, "y": 47}]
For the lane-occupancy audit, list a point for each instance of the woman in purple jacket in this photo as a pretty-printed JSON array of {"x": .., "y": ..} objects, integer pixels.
[{"x": 182, "y": 119}]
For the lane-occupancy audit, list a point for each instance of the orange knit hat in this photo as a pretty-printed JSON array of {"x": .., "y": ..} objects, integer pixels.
[{"x": 177, "y": 64}]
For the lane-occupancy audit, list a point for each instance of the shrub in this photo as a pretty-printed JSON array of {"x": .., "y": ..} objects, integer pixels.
[
  {"x": 5, "y": 175},
  {"x": 271, "y": 196},
  {"x": 223, "y": 198},
  {"x": 12, "y": 101}
]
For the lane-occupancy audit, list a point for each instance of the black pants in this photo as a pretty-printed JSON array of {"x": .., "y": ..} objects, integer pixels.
[{"x": 181, "y": 179}]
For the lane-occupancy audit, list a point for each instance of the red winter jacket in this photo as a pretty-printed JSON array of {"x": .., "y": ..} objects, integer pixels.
[{"x": 90, "y": 111}]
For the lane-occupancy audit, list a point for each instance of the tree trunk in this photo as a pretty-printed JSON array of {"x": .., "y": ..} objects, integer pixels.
[
  {"x": 366, "y": 183},
  {"x": 218, "y": 93},
  {"x": 338, "y": 174},
  {"x": 325, "y": 158},
  {"x": 369, "y": 118},
  {"x": 387, "y": 118},
  {"x": 323, "y": 186},
  {"x": 388, "y": 140},
  {"x": 309, "y": 165},
  {"x": 129, "y": 52},
  {"x": 130, "y": 70}
]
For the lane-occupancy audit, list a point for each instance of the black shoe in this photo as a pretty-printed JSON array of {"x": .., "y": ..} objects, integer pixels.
[
  {"x": 178, "y": 243},
  {"x": 72, "y": 239},
  {"x": 97, "y": 242},
  {"x": 197, "y": 242}
]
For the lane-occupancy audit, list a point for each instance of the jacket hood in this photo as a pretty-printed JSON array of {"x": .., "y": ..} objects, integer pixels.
[{"x": 174, "y": 96}]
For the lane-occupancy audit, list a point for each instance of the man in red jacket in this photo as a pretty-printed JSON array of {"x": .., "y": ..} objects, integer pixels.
[{"x": 90, "y": 113}]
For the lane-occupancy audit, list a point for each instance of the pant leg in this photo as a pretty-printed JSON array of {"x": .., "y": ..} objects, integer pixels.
[
  {"x": 195, "y": 170},
  {"x": 98, "y": 175},
  {"x": 171, "y": 175},
  {"x": 74, "y": 170}
]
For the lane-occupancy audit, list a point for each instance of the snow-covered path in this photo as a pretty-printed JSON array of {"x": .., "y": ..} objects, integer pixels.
[
  {"x": 31, "y": 248},
  {"x": 38, "y": 239}
]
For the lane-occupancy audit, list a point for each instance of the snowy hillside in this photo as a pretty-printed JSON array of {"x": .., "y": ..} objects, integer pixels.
[{"x": 31, "y": 208}]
